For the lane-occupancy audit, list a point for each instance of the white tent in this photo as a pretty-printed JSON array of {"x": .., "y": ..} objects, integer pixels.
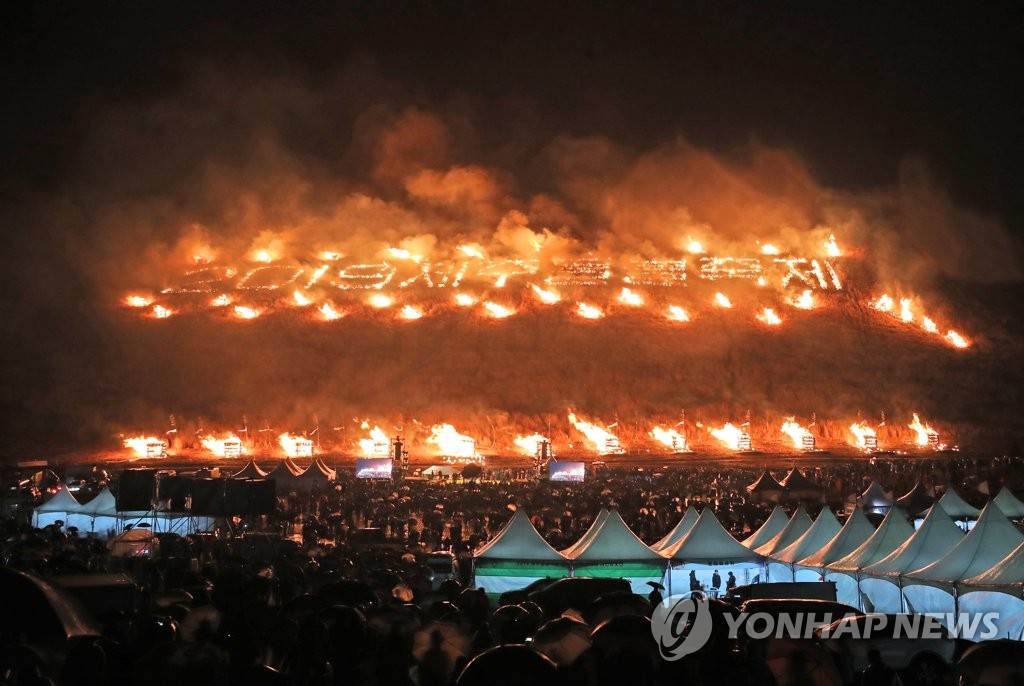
[
  {"x": 705, "y": 549},
  {"x": 771, "y": 528},
  {"x": 797, "y": 526},
  {"x": 59, "y": 507},
  {"x": 956, "y": 507},
  {"x": 1008, "y": 574},
  {"x": 516, "y": 557},
  {"x": 1010, "y": 505},
  {"x": 591, "y": 531},
  {"x": 874, "y": 499},
  {"x": 611, "y": 549},
  {"x": 781, "y": 562},
  {"x": 134, "y": 543},
  {"x": 854, "y": 533},
  {"x": 999, "y": 590},
  {"x": 893, "y": 532},
  {"x": 100, "y": 512},
  {"x": 678, "y": 531}
]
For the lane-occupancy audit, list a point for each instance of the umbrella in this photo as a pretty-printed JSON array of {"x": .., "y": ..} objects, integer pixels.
[
  {"x": 509, "y": 665},
  {"x": 453, "y": 640},
  {"x": 39, "y": 610},
  {"x": 616, "y": 605},
  {"x": 563, "y": 640},
  {"x": 401, "y": 618},
  {"x": 993, "y": 663}
]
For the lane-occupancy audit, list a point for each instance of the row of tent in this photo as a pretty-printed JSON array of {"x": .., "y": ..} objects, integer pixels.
[
  {"x": 893, "y": 568},
  {"x": 288, "y": 473},
  {"x": 794, "y": 485},
  {"x": 101, "y": 517}
]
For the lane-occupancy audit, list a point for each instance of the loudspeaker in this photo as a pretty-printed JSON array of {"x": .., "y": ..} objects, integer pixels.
[
  {"x": 236, "y": 497},
  {"x": 136, "y": 489},
  {"x": 262, "y": 496},
  {"x": 208, "y": 497}
]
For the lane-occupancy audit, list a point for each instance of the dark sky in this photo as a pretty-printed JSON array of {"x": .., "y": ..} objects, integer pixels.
[{"x": 855, "y": 91}]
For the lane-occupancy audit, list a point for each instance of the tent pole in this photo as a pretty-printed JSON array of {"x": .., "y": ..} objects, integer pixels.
[{"x": 903, "y": 599}]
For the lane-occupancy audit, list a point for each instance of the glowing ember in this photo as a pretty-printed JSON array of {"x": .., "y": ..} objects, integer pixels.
[
  {"x": 411, "y": 312},
  {"x": 548, "y": 297},
  {"x": 377, "y": 445},
  {"x": 497, "y": 311},
  {"x": 722, "y": 301},
  {"x": 243, "y": 312},
  {"x": 832, "y": 248},
  {"x": 670, "y": 438},
  {"x": 677, "y": 314},
  {"x": 330, "y": 314},
  {"x": 161, "y": 312},
  {"x": 956, "y": 339},
  {"x": 694, "y": 247},
  {"x": 379, "y": 300},
  {"x": 928, "y": 325},
  {"x": 531, "y": 444},
  {"x": 924, "y": 434},
  {"x": 628, "y": 297},
  {"x": 769, "y": 249},
  {"x": 805, "y": 301},
  {"x": 769, "y": 317},
  {"x": 906, "y": 314},
  {"x": 464, "y": 299},
  {"x": 861, "y": 433},
  {"x": 598, "y": 438},
  {"x": 451, "y": 443},
  {"x": 730, "y": 436},
  {"x": 300, "y": 299},
  {"x": 295, "y": 446},
  {"x": 148, "y": 447},
  {"x": 138, "y": 301},
  {"x": 224, "y": 447},
  {"x": 589, "y": 311},
  {"x": 798, "y": 434},
  {"x": 884, "y": 303},
  {"x": 222, "y": 300}
]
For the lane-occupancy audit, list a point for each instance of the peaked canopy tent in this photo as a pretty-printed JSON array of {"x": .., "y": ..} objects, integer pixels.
[
  {"x": 936, "y": 587},
  {"x": 958, "y": 509},
  {"x": 917, "y": 499},
  {"x": 678, "y": 531},
  {"x": 317, "y": 474},
  {"x": 781, "y": 563},
  {"x": 62, "y": 506},
  {"x": 771, "y": 528},
  {"x": 883, "y": 580},
  {"x": 874, "y": 499},
  {"x": 101, "y": 512},
  {"x": 589, "y": 534},
  {"x": 797, "y": 525},
  {"x": 799, "y": 487},
  {"x": 1009, "y": 504},
  {"x": 854, "y": 533},
  {"x": 611, "y": 549},
  {"x": 705, "y": 549},
  {"x": 1001, "y": 590},
  {"x": 766, "y": 488},
  {"x": 516, "y": 557},
  {"x": 250, "y": 471},
  {"x": 893, "y": 532},
  {"x": 284, "y": 475}
]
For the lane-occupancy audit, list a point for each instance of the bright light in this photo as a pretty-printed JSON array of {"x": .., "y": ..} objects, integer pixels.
[
  {"x": 330, "y": 314},
  {"x": 300, "y": 299},
  {"x": 497, "y": 311},
  {"x": 722, "y": 301},
  {"x": 380, "y": 301},
  {"x": 769, "y": 317},
  {"x": 588, "y": 311},
  {"x": 769, "y": 249},
  {"x": 243, "y": 312},
  {"x": 548, "y": 297},
  {"x": 694, "y": 247},
  {"x": 628, "y": 297},
  {"x": 957, "y": 340},
  {"x": 410, "y": 312},
  {"x": 805, "y": 301},
  {"x": 464, "y": 299},
  {"x": 832, "y": 248},
  {"x": 138, "y": 301},
  {"x": 161, "y": 312},
  {"x": 677, "y": 314}
]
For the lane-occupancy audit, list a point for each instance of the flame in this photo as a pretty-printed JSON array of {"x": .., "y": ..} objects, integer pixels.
[
  {"x": 295, "y": 446},
  {"x": 861, "y": 431},
  {"x": 497, "y": 311},
  {"x": 450, "y": 442},
  {"x": 600, "y": 439},
  {"x": 331, "y": 255},
  {"x": 530, "y": 444},
  {"x": 243, "y": 312},
  {"x": 805, "y": 301},
  {"x": 928, "y": 325},
  {"x": 138, "y": 301},
  {"x": 769, "y": 249},
  {"x": 729, "y": 435},
  {"x": 501, "y": 281},
  {"x": 472, "y": 250},
  {"x": 832, "y": 248},
  {"x": 330, "y": 314},
  {"x": 884, "y": 303},
  {"x": 548, "y": 297},
  {"x": 677, "y": 314},
  {"x": 403, "y": 254},
  {"x": 795, "y": 432},
  {"x": 161, "y": 312},
  {"x": 300, "y": 299},
  {"x": 221, "y": 300},
  {"x": 628, "y": 297},
  {"x": 956, "y": 339},
  {"x": 379, "y": 300},
  {"x": 694, "y": 247},
  {"x": 141, "y": 445},
  {"x": 217, "y": 447},
  {"x": 464, "y": 299},
  {"x": 411, "y": 312},
  {"x": 588, "y": 311},
  {"x": 769, "y": 317},
  {"x": 264, "y": 256},
  {"x": 377, "y": 445},
  {"x": 905, "y": 312},
  {"x": 670, "y": 438},
  {"x": 722, "y": 301},
  {"x": 761, "y": 281},
  {"x": 923, "y": 431}
]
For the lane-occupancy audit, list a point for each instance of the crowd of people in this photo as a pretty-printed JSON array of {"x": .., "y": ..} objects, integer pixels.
[{"x": 297, "y": 597}]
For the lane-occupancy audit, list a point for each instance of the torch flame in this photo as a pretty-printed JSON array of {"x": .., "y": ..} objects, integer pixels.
[
  {"x": 628, "y": 297},
  {"x": 832, "y": 248},
  {"x": 928, "y": 325},
  {"x": 161, "y": 312},
  {"x": 530, "y": 444},
  {"x": 264, "y": 256},
  {"x": 588, "y": 311},
  {"x": 243, "y": 312},
  {"x": 330, "y": 314},
  {"x": 795, "y": 432},
  {"x": 497, "y": 311},
  {"x": 501, "y": 281},
  {"x": 216, "y": 445},
  {"x": 670, "y": 438},
  {"x": 677, "y": 314},
  {"x": 548, "y": 297},
  {"x": 861, "y": 432},
  {"x": 377, "y": 445},
  {"x": 600, "y": 439},
  {"x": 906, "y": 314},
  {"x": 222, "y": 300},
  {"x": 138, "y": 301},
  {"x": 884, "y": 303},
  {"x": 956, "y": 339},
  {"x": 769, "y": 249},
  {"x": 403, "y": 254},
  {"x": 380, "y": 301},
  {"x": 722, "y": 301},
  {"x": 769, "y": 317},
  {"x": 300, "y": 299},
  {"x": 729, "y": 435},
  {"x": 805, "y": 301},
  {"x": 295, "y": 446},
  {"x": 141, "y": 446},
  {"x": 411, "y": 312},
  {"x": 472, "y": 250},
  {"x": 464, "y": 299},
  {"x": 694, "y": 247},
  {"x": 450, "y": 442},
  {"x": 922, "y": 431}
]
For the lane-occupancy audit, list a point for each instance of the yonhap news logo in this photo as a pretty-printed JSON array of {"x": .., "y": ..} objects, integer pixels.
[{"x": 682, "y": 625}]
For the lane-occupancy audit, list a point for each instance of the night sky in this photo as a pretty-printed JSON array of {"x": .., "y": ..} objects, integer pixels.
[{"x": 111, "y": 108}]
